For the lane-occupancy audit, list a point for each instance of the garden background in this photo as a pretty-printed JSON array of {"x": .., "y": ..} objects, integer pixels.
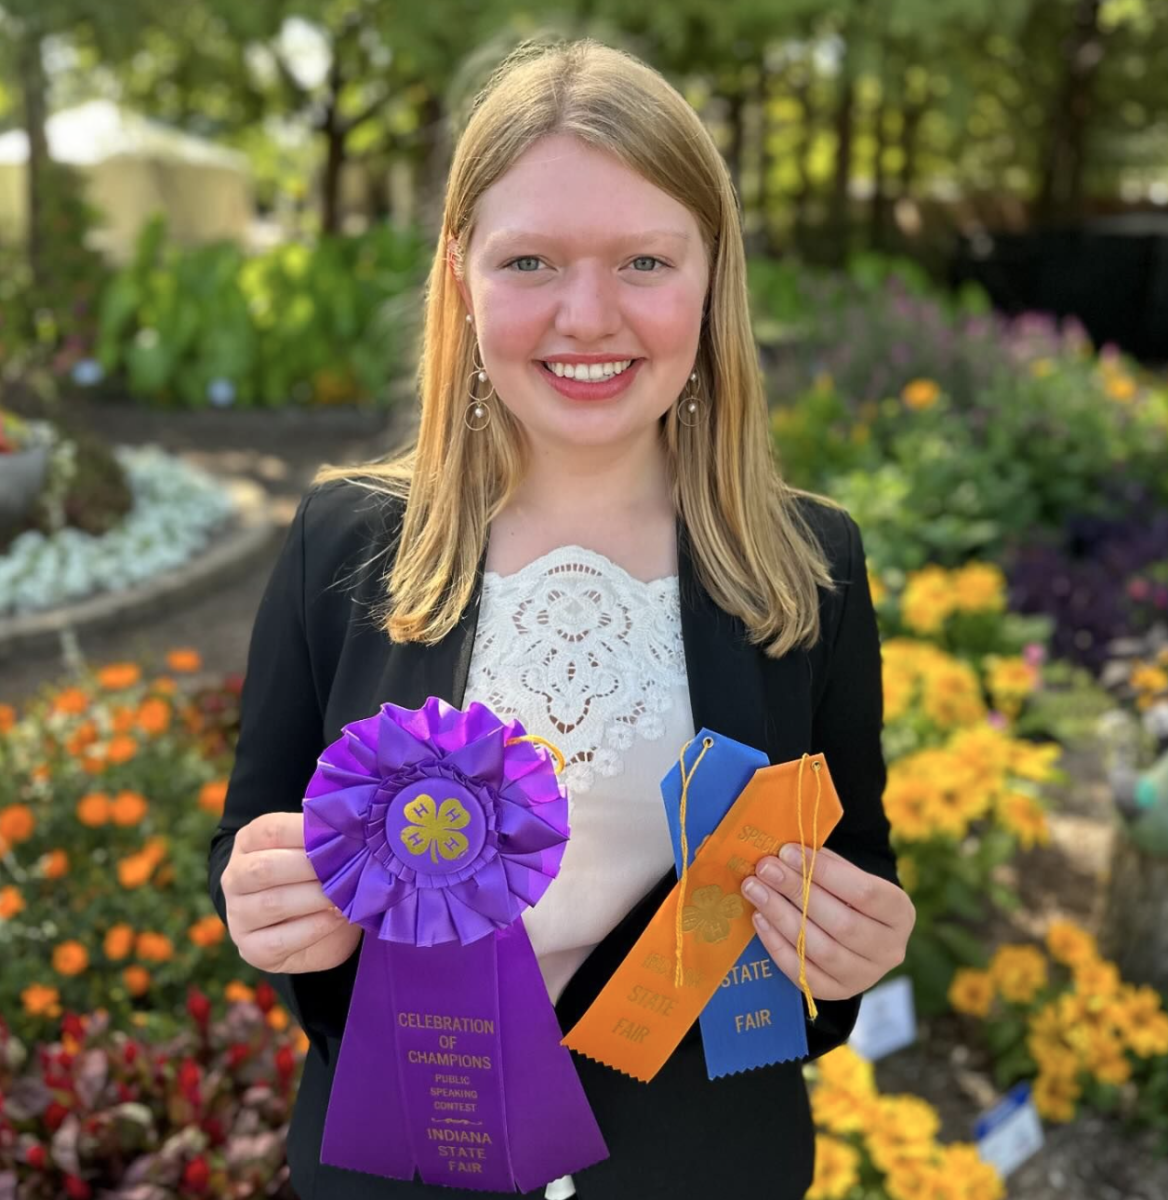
[{"x": 215, "y": 221}]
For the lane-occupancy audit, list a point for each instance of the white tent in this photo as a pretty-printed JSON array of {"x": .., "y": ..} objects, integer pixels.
[{"x": 134, "y": 167}]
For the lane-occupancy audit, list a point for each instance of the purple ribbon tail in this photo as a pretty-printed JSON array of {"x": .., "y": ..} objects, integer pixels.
[
  {"x": 366, "y": 1098},
  {"x": 553, "y": 1129}
]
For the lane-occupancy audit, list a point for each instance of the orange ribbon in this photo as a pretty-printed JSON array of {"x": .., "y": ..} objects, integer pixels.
[{"x": 657, "y": 993}]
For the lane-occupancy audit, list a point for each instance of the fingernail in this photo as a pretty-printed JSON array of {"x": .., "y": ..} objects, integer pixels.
[
  {"x": 755, "y": 892},
  {"x": 772, "y": 873},
  {"x": 761, "y": 923},
  {"x": 791, "y": 855}
]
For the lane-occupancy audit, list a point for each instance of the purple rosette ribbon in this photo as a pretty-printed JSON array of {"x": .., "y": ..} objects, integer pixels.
[{"x": 433, "y": 829}]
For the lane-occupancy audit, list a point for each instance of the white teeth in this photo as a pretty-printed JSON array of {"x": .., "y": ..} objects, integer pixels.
[{"x": 589, "y": 371}]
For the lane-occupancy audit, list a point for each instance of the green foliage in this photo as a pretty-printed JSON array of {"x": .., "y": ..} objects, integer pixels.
[{"x": 296, "y": 325}]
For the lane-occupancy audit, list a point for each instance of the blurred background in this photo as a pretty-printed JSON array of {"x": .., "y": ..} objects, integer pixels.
[{"x": 215, "y": 223}]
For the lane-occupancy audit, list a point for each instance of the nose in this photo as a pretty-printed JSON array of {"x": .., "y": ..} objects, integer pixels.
[{"x": 589, "y": 304}]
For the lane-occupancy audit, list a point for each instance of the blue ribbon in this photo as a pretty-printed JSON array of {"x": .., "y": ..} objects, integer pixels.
[{"x": 756, "y": 1016}]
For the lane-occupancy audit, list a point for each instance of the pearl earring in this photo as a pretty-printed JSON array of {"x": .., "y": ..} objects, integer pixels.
[{"x": 691, "y": 408}]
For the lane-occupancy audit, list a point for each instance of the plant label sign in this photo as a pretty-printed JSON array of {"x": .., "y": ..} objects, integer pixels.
[
  {"x": 886, "y": 1021},
  {"x": 1010, "y": 1132}
]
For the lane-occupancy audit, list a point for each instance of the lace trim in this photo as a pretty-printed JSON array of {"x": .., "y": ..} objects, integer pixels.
[{"x": 583, "y": 653}]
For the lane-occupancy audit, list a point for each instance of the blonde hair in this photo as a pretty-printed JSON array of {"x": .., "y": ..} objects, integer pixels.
[{"x": 752, "y": 549}]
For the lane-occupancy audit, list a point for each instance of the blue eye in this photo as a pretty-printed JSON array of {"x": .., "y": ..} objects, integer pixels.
[
  {"x": 523, "y": 258},
  {"x": 651, "y": 258}
]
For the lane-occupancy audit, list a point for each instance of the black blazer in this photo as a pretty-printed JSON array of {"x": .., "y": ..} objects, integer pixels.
[{"x": 317, "y": 662}]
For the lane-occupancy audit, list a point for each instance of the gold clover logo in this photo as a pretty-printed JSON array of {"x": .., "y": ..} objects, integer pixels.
[
  {"x": 710, "y": 913},
  {"x": 434, "y": 829}
]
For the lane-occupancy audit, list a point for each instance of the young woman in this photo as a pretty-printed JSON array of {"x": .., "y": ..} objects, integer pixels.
[{"x": 589, "y": 534}]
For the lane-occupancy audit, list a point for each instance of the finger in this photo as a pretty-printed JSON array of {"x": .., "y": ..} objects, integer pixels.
[
  {"x": 259, "y": 910},
  {"x": 261, "y": 870},
  {"x": 866, "y": 893},
  {"x": 271, "y": 831},
  {"x": 856, "y": 930},
  {"x": 277, "y": 946},
  {"x": 820, "y": 948},
  {"x": 786, "y": 958}
]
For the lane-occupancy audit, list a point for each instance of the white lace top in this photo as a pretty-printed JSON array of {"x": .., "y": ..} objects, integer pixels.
[{"x": 591, "y": 658}]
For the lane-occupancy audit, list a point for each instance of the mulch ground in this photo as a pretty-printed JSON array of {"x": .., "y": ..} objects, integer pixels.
[{"x": 1090, "y": 1159}]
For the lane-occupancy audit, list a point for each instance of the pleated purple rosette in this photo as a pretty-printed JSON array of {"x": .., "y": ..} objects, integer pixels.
[{"x": 433, "y": 834}]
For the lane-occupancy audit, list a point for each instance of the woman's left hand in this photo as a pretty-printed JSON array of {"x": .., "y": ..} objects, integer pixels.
[{"x": 858, "y": 924}]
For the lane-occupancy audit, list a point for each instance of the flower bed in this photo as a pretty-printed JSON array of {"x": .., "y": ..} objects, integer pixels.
[{"x": 176, "y": 509}]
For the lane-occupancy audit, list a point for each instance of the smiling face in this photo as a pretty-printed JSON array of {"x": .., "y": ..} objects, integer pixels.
[{"x": 574, "y": 256}]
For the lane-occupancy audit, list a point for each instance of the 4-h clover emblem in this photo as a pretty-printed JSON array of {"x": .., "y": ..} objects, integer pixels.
[
  {"x": 710, "y": 914},
  {"x": 435, "y": 829}
]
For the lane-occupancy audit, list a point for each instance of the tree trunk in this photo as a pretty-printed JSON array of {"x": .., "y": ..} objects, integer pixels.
[
  {"x": 844, "y": 123},
  {"x": 1135, "y": 922},
  {"x": 878, "y": 212},
  {"x": 331, "y": 181},
  {"x": 32, "y": 84},
  {"x": 1064, "y": 161},
  {"x": 736, "y": 104}
]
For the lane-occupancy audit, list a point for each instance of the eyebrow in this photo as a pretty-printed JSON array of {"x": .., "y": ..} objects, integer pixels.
[{"x": 502, "y": 237}]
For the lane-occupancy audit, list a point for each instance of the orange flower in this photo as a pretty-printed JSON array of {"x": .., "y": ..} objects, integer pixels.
[
  {"x": 155, "y": 849},
  {"x": 11, "y": 902},
  {"x": 301, "y": 1043},
  {"x": 121, "y": 749},
  {"x": 119, "y": 941},
  {"x": 123, "y": 718},
  {"x": 7, "y": 717},
  {"x": 92, "y": 764},
  {"x": 277, "y": 1018},
  {"x": 208, "y": 931},
  {"x": 41, "y": 1001},
  {"x": 84, "y": 735},
  {"x": 56, "y": 864},
  {"x": 165, "y": 685},
  {"x": 212, "y": 796},
  {"x": 154, "y": 716},
  {"x": 93, "y": 809},
  {"x": 128, "y": 808},
  {"x": 16, "y": 823},
  {"x": 137, "y": 980},
  {"x": 920, "y": 393},
  {"x": 118, "y": 675},
  {"x": 154, "y": 947},
  {"x": 70, "y": 958},
  {"x": 237, "y": 991},
  {"x": 41, "y": 772},
  {"x": 135, "y": 870},
  {"x": 184, "y": 660},
  {"x": 70, "y": 700}
]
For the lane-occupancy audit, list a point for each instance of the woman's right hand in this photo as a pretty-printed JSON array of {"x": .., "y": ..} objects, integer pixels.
[{"x": 277, "y": 913}]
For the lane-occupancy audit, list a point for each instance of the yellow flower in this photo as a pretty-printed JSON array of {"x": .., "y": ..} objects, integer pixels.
[
  {"x": 920, "y": 394},
  {"x": 1034, "y": 762},
  {"x": 837, "y": 1169},
  {"x": 1055, "y": 1096},
  {"x": 1018, "y": 972},
  {"x": 1069, "y": 944},
  {"x": 1105, "y": 1057},
  {"x": 1146, "y": 678},
  {"x": 844, "y": 1068},
  {"x": 972, "y": 992},
  {"x": 838, "y": 1111},
  {"x": 1040, "y": 368},
  {"x": 117, "y": 676},
  {"x": 184, "y": 659},
  {"x": 41, "y": 1001},
  {"x": 11, "y": 902},
  {"x": 1024, "y": 817},
  {"x": 1096, "y": 979},
  {"x": 972, "y": 1176},
  {"x": 1121, "y": 387},
  {"x": 70, "y": 958},
  {"x": 1144, "y": 1024},
  {"x": 877, "y": 588},
  {"x": 927, "y": 600},
  {"x": 952, "y": 695},
  {"x": 979, "y": 587},
  {"x": 906, "y": 869}
]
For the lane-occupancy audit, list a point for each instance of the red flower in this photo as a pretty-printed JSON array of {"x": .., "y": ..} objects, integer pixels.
[
  {"x": 189, "y": 1078},
  {"x": 237, "y": 1053},
  {"x": 73, "y": 1025},
  {"x": 35, "y": 1156},
  {"x": 213, "y": 1128},
  {"x": 55, "y": 1114},
  {"x": 285, "y": 1062},
  {"x": 265, "y": 997},
  {"x": 196, "y": 1174},
  {"x": 130, "y": 1053},
  {"x": 126, "y": 1093},
  {"x": 198, "y": 1006},
  {"x": 77, "y": 1189}
]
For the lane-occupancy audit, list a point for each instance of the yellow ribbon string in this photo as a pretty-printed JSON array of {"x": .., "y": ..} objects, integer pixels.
[
  {"x": 706, "y": 744},
  {"x": 806, "y": 871},
  {"x": 531, "y": 737}
]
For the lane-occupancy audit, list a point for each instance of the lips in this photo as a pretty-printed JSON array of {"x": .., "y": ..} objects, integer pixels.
[{"x": 600, "y": 389}]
